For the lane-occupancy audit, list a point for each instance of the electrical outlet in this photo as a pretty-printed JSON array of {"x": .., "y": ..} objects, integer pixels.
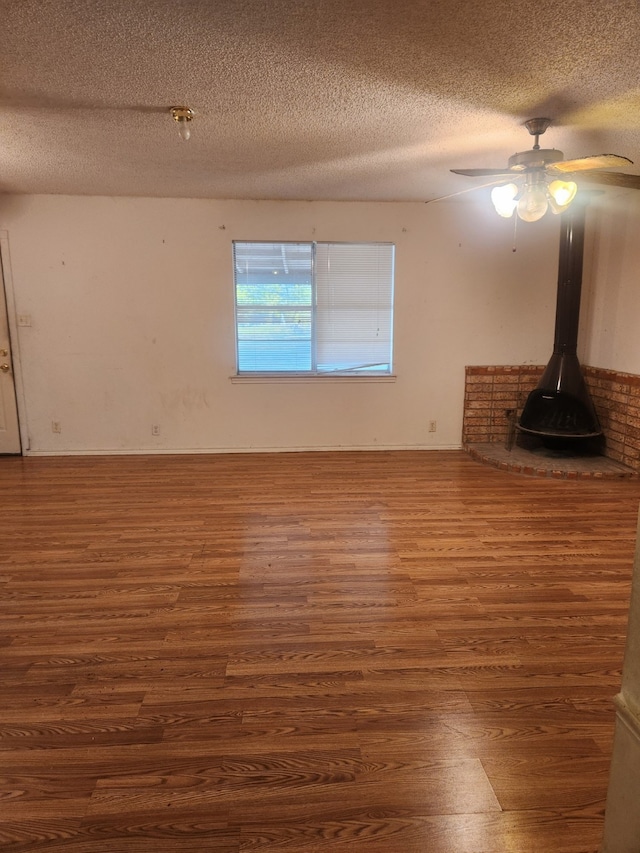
[
  {"x": 155, "y": 429},
  {"x": 56, "y": 426},
  {"x": 433, "y": 426},
  {"x": 24, "y": 319}
]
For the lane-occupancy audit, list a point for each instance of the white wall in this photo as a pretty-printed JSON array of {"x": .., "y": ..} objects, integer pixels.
[
  {"x": 611, "y": 305},
  {"x": 132, "y": 323}
]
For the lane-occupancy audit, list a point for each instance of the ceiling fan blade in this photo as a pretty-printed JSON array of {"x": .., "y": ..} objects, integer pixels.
[
  {"x": 464, "y": 192},
  {"x": 613, "y": 179},
  {"x": 483, "y": 173},
  {"x": 583, "y": 164}
]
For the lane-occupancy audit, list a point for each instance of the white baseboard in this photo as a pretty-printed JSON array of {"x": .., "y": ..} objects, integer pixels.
[{"x": 169, "y": 451}]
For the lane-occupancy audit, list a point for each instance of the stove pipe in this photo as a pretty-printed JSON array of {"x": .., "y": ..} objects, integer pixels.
[{"x": 560, "y": 407}]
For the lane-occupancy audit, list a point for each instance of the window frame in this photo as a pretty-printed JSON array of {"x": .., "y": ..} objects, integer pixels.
[{"x": 358, "y": 374}]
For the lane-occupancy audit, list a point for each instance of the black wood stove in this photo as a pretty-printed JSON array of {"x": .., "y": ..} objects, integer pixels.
[{"x": 560, "y": 410}]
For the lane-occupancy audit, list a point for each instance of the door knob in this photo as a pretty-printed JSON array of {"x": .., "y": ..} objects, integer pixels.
[{"x": 4, "y": 368}]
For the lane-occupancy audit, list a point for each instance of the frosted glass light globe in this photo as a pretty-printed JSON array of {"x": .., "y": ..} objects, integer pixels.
[{"x": 533, "y": 205}]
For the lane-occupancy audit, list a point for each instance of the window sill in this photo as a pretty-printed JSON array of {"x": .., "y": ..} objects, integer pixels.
[{"x": 250, "y": 379}]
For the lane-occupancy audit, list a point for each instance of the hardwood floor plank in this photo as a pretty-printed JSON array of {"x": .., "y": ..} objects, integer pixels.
[
  {"x": 386, "y": 832},
  {"x": 547, "y": 781}
]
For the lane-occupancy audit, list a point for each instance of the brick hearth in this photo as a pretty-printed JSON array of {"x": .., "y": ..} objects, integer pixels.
[{"x": 494, "y": 397}]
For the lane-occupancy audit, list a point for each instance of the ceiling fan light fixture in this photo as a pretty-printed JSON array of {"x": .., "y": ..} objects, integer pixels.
[
  {"x": 561, "y": 194},
  {"x": 504, "y": 199},
  {"x": 183, "y": 116},
  {"x": 535, "y": 172},
  {"x": 533, "y": 203}
]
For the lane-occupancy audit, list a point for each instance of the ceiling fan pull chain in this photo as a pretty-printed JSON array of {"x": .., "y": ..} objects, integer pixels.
[{"x": 515, "y": 233}]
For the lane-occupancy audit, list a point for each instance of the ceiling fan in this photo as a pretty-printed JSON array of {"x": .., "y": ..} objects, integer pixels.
[{"x": 541, "y": 179}]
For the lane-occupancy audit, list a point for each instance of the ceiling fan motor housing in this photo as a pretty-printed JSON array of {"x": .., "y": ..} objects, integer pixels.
[
  {"x": 535, "y": 158},
  {"x": 537, "y": 126}
]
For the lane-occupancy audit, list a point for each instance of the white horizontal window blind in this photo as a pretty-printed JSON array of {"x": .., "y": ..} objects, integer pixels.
[{"x": 314, "y": 308}]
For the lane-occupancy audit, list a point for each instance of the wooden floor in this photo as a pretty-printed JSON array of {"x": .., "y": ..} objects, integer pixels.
[{"x": 383, "y": 652}]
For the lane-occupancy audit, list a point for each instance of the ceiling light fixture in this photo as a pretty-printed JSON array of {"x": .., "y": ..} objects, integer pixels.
[
  {"x": 532, "y": 200},
  {"x": 183, "y": 116}
]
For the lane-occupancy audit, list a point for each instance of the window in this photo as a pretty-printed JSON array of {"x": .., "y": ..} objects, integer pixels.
[{"x": 314, "y": 308}]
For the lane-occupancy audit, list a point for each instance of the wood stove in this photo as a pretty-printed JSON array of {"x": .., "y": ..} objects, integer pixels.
[{"x": 560, "y": 409}]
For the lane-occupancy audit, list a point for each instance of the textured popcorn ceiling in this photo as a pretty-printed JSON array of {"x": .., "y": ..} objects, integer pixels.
[{"x": 306, "y": 99}]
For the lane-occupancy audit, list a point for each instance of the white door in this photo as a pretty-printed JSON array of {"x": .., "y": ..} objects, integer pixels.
[{"x": 9, "y": 431}]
